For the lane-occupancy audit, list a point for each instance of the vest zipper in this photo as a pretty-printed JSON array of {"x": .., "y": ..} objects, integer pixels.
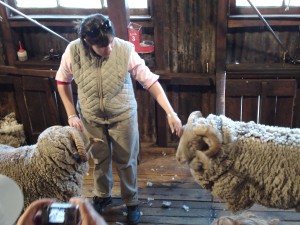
[{"x": 100, "y": 91}]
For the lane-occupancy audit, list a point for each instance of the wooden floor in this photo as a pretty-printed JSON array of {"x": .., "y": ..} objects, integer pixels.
[{"x": 163, "y": 180}]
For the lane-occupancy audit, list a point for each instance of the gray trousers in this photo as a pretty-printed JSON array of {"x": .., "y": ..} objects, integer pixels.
[{"x": 121, "y": 144}]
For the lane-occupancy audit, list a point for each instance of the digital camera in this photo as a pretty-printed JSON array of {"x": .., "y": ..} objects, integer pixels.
[{"x": 58, "y": 213}]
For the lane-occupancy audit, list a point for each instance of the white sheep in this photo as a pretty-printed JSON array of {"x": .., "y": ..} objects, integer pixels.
[
  {"x": 243, "y": 163},
  {"x": 52, "y": 168},
  {"x": 244, "y": 219}
]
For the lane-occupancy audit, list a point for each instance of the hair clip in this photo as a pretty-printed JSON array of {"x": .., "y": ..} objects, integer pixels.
[{"x": 105, "y": 26}]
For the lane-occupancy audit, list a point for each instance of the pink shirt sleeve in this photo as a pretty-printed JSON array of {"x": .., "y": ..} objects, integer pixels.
[
  {"x": 64, "y": 73},
  {"x": 140, "y": 71}
]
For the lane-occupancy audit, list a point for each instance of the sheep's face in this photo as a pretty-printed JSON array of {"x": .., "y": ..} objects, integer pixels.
[
  {"x": 184, "y": 153},
  {"x": 198, "y": 135}
]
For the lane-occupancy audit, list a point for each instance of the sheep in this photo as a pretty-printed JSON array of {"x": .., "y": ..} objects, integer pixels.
[
  {"x": 52, "y": 168},
  {"x": 244, "y": 219},
  {"x": 11, "y": 132},
  {"x": 243, "y": 163}
]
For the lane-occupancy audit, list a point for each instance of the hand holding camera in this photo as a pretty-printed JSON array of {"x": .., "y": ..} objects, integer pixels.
[{"x": 48, "y": 212}]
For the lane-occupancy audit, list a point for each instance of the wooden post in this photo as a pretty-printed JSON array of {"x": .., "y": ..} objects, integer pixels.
[
  {"x": 11, "y": 52},
  {"x": 221, "y": 31},
  {"x": 159, "y": 32},
  {"x": 118, "y": 12},
  {"x": 158, "y": 24}
]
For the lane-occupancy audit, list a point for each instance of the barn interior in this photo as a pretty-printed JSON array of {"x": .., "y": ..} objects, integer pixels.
[{"x": 215, "y": 56}]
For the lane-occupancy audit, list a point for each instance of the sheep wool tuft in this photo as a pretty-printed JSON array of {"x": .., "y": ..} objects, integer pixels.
[
  {"x": 52, "y": 168},
  {"x": 243, "y": 163},
  {"x": 11, "y": 132},
  {"x": 244, "y": 219}
]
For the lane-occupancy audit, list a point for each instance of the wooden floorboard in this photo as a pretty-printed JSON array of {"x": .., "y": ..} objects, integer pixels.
[{"x": 162, "y": 179}]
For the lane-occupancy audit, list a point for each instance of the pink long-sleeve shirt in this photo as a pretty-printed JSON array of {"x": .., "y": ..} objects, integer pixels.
[{"x": 136, "y": 67}]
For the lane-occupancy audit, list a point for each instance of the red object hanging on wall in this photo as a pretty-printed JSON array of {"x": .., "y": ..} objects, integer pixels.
[{"x": 134, "y": 33}]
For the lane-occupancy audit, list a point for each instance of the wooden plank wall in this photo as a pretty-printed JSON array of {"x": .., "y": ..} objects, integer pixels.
[
  {"x": 185, "y": 43},
  {"x": 258, "y": 45},
  {"x": 265, "y": 101},
  {"x": 185, "y": 35},
  {"x": 38, "y": 42},
  {"x": 34, "y": 102},
  {"x": 253, "y": 47},
  {"x": 7, "y": 96}
]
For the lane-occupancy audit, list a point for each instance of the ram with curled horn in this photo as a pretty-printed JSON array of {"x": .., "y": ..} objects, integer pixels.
[
  {"x": 54, "y": 167},
  {"x": 243, "y": 163}
]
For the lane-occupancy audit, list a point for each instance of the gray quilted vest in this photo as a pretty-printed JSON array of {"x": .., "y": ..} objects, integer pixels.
[{"x": 105, "y": 90}]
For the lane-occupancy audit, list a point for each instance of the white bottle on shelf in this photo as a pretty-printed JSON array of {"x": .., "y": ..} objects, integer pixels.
[{"x": 22, "y": 54}]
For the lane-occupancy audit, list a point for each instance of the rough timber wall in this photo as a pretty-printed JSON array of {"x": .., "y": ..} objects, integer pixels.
[
  {"x": 184, "y": 36},
  {"x": 258, "y": 45},
  {"x": 1, "y": 49},
  {"x": 188, "y": 34}
]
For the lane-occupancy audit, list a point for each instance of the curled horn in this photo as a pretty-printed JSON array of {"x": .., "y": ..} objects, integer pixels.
[
  {"x": 200, "y": 157},
  {"x": 82, "y": 154},
  {"x": 79, "y": 143},
  {"x": 212, "y": 137}
]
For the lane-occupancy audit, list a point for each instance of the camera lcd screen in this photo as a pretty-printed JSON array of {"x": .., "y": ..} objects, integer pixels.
[
  {"x": 59, "y": 213},
  {"x": 56, "y": 215}
]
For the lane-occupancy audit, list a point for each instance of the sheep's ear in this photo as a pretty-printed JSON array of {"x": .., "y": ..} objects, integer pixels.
[{"x": 193, "y": 116}]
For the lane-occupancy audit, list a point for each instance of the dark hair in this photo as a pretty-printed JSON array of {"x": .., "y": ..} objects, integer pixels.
[{"x": 96, "y": 29}]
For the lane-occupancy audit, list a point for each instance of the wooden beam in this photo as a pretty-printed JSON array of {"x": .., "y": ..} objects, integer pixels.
[
  {"x": 158, "y": 24},
  {"x": 221, "y": 31},
  {"x": 29, "y": 72},
  {"x": 278, "y": 69},
  {"x": 118, "y": 12},
  {"x": 194, "y": 79},
  {"x": 9, "y": 47},
  {"x": 234, "y": 23}
]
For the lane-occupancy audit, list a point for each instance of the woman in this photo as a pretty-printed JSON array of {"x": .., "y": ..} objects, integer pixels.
[{"x": 102, "y": 66}]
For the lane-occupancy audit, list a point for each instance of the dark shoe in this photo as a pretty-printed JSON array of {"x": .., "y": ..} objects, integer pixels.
[
  {"x": 100, "y": 203},
  {"x": 134, "y": 215}
]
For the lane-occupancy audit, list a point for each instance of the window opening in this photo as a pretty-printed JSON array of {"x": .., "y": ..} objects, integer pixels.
[
  {"x": 268, "y": 3},
  {"x": 34, "y": 21},
  {"x": 274, "y": 7},
  {"x": 133, "y": 4},
  {"x": 36, "y": 4},
  {"x": 83, "y": 4},
  {"x": 75, "y": 7}
]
